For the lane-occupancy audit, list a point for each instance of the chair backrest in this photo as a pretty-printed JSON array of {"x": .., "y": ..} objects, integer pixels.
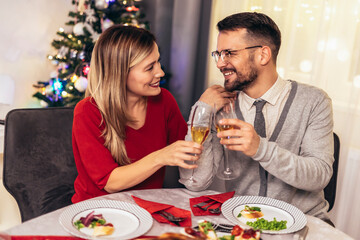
[
  {"x": 172, "y": 177},
  {"x": 39, "y": 168},
  {"x": 330, "y": 189}
]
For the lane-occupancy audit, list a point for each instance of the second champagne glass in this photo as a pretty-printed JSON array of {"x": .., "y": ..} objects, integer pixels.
[{"x": 225, "y": 171}]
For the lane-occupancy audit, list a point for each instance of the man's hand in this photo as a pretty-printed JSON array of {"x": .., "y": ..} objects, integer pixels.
[
  {"x": 217, "y": 94},
  {"x": 242, "y": 138}
]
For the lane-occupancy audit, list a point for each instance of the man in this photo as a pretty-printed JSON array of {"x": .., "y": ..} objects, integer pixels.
[{"x": 290, "y": 158}]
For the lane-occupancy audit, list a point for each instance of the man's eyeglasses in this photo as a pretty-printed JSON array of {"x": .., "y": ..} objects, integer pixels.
[{"x": 226, "y": 54}]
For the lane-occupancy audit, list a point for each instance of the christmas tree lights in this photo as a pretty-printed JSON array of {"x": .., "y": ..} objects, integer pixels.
[{"x": 89, "y": 19}]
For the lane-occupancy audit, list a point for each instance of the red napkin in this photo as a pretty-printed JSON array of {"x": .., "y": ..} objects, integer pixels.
[
  {"x": 45, "y": 238},
  {"x": 153, "y": 207},
  {"x": 219, "y": 198}
]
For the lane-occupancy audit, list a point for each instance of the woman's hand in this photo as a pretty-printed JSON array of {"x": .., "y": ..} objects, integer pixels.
[{"x": 177, "y": 153}]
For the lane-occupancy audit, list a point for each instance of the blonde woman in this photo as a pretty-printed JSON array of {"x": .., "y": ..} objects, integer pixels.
[{"x": 127, "y": 128}]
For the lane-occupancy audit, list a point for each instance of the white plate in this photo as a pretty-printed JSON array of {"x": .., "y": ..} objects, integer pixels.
[
  {"x": 270, "y": 207},
  {"x": 129, "y": 220}
]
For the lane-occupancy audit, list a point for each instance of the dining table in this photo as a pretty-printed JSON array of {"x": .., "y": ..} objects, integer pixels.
[{"x": 48, "y": 224}]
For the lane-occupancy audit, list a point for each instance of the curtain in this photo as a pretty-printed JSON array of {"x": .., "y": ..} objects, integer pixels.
[
  {"x": 320, "y": 47},
  {"x": 182, "y": 31}
]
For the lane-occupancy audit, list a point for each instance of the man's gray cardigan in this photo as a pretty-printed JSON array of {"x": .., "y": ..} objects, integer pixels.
[{"x": 298, "y": 156}]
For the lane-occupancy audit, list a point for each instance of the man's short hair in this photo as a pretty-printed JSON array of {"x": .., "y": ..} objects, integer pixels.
[{"x": 261, "y": 29}]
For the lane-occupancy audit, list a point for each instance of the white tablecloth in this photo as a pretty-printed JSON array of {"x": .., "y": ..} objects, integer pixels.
[{"x": 48, "y": 224}]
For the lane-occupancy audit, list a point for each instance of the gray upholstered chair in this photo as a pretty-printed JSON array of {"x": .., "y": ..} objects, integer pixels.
[
  {"x": 330, "y": 189},
  {"x": 39, "y": 168}
]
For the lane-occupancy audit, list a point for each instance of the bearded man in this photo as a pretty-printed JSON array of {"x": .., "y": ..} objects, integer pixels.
[{"x": 288, "y": 155}]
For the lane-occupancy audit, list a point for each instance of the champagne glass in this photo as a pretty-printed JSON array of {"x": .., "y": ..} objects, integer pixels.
[
  {"x": 225, "y": 171},
  {"x": 200, "y": 128}
]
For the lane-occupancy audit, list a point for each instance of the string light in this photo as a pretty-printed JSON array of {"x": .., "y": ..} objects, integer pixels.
[
  {"x": 305, "y": 5},
  {"x": 277, "y": 9},
  {"x": 61, "y": 29},
  {"x": 281, "y": 71},
  {"x": 356, "y": 81},
  {"x": 70, "y": 36},
  {"x": 86, "y": 70},
  {"x": 254, "y": 8},
  {"x": 74, "y": 78},
  {"x": 306, "y": 66},
  {"x": 57, "y": 85},
  {"x": 132, "y": 9},
  {"x": 64, "y": 94}
]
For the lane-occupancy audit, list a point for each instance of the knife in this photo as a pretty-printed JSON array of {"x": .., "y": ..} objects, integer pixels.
[{"x": 301, "y": 234}]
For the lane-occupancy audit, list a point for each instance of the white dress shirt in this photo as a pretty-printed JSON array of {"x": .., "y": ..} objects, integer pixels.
[{"x": 276, "y": 97}]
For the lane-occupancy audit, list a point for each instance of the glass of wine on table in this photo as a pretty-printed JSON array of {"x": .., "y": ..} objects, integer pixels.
[
  {"x": 229, "y": 169},
  {"x": 200, "y": 129}
]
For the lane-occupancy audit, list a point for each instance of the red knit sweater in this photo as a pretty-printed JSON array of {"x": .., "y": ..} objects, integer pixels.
[{"x": 164, "y": 125}]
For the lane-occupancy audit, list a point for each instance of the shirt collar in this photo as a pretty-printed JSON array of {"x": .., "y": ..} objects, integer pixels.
[{"x": 271, "y": 95}]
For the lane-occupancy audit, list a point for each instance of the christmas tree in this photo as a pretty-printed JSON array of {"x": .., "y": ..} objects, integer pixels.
[{"x": 89, "y": 19}]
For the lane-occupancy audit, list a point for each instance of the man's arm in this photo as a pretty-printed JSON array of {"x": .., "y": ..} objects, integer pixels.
[{"x": 309, "y": 165}]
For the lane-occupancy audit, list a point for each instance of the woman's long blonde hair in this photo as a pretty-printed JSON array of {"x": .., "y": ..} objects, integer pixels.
[{"x": 117, "y": 50}]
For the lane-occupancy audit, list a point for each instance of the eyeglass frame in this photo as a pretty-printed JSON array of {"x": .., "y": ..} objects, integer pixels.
[{"x": 222, "y": 53}]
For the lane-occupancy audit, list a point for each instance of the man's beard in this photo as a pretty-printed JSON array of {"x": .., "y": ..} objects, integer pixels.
[{"x": 242, "y": 81}]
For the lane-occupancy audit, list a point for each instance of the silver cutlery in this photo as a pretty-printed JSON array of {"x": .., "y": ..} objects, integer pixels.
[
  {"x": 201, "y": 204},
  {"x": 225, "y": 228},
  {"x": 205, "y": 208},
  {"x": 215, "y": 210},
  {"x": 168, "y": 216}
]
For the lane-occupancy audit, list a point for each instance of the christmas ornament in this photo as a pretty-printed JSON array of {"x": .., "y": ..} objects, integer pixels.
[
  {"x": 73, "y": 54},
  {"x": 62, "y": 52},
  {"x": 79, "y": 28},
  {"x": 81, "y": 55},
  {"x": 101, "y": 4},
  {"x": 90, "y": 15},
  {"x": 81, "y": 84},
  {"x": 107, "y": 23}
]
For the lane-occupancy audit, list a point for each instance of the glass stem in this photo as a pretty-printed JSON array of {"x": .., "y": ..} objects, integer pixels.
[{"x": 226, "y": 161}]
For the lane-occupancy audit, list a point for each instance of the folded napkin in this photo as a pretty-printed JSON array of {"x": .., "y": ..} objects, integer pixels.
[
  {"x": 44, "y": 238},
  {"x": 154, "y": 207},
  {"x": 219, "y": 198}
]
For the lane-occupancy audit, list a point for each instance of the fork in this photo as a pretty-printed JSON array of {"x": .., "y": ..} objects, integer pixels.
[
  {"x": 168, "y": 216},
  {"x": 226, "y": 228},
  {"x": 201, "y": 204},
  {"x": 207, "y": 206},
  {"x": 215, "y": 210}
]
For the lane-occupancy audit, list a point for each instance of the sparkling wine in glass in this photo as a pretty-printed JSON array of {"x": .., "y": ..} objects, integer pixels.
[
  {"x": 200, "y": 128},
  {"x": 225, "y": 170}
]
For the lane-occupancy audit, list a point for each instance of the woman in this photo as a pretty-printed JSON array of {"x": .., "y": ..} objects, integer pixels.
[{"x": 127, "y": 128}]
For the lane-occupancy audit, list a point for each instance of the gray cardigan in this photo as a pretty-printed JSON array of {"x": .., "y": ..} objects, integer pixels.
[{"x": 298, "y": 156}]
